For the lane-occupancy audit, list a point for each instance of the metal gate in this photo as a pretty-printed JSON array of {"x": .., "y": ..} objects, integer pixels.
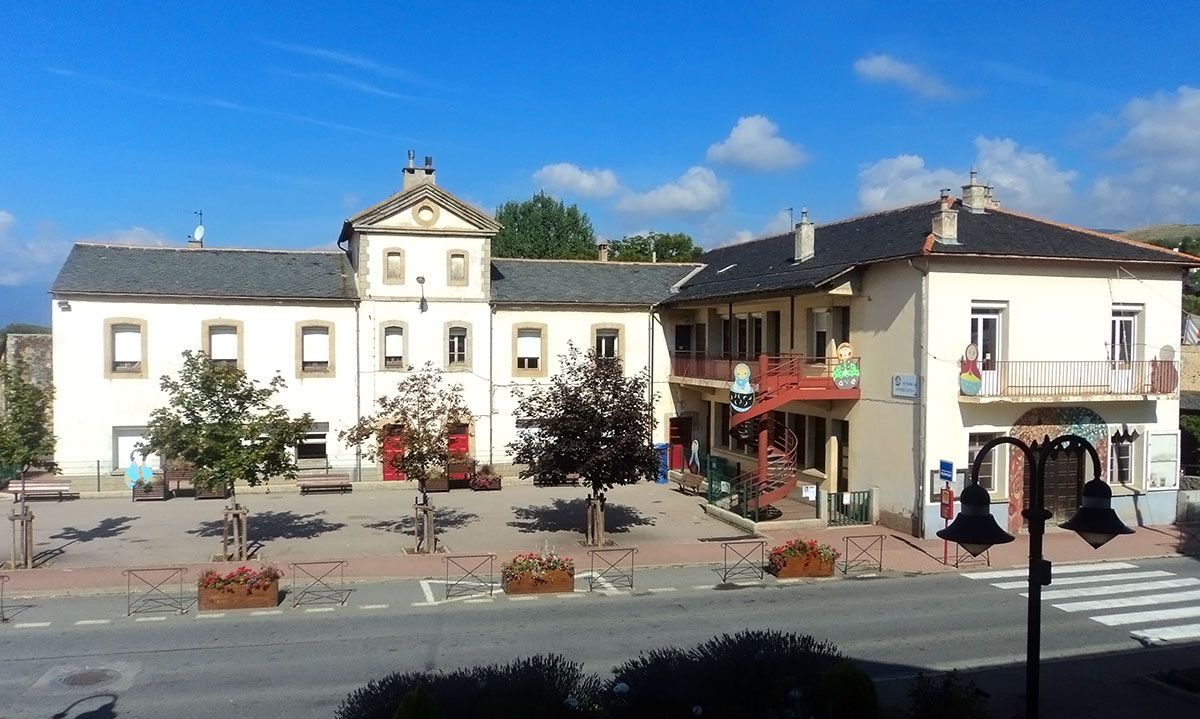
[{"x": 848, "y": 508}]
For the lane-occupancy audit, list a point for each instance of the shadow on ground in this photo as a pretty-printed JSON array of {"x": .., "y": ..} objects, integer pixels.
[
  {"x": 443, "y": 518},
  {"x": 570, "y": 515},
  {"x": 268, "y": 526},
  {"x": 108, "y": 528}
]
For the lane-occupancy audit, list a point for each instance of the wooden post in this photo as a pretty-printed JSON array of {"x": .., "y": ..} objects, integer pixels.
[
  {"x": 425, "y": 534},
  {"x": 21, "y": 524}
]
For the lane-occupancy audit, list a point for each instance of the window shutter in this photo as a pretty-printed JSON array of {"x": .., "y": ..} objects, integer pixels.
[
  {"x": 393, "y": 342},
  {"x": 315, "y": 347},
  {"x": 127, "y": 344},
  {"x": 529, "y": 343},
  {"x": 222, "y": 343}
]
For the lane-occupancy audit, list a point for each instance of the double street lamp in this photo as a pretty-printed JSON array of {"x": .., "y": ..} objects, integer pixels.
[{"x": 975, "y": 529}]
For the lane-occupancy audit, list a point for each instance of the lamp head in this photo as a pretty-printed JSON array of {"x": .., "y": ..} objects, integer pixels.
[
  {"x": 975, "y": 529},
  {"x": 1095, "y": 519}
]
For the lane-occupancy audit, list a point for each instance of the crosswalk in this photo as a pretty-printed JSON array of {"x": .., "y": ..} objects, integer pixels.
[{"x": 1102, "y": 590}]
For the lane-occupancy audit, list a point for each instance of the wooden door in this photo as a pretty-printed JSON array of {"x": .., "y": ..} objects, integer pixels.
[
  {"x": 1063, "y": 478},
  {"x": 393, "y": 454}
]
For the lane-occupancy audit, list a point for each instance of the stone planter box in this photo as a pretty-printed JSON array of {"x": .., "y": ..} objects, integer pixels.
[
  {"x": 552, "y": 583},
  {"x": 804, "y": 566},
  {"x": 235, "y": 596}
]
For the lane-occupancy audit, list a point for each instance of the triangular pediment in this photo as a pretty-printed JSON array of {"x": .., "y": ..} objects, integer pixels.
[{"x": 424, "y": 209}]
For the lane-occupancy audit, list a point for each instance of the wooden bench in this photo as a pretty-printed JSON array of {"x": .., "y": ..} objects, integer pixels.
[
  {"x": 42, "y": 490},
  {"x": 324, "y": 483},
  {"x": 688, "y": 481}
]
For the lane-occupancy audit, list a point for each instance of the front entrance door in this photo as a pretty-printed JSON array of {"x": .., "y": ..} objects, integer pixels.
[
  {"x": 986, "y": 335},
  {"x": 1064, "y": 477},
  {"x": 459, "y": 446},
  {"x": 393, "y": 455},
  {"x": 679, "y": 434}
]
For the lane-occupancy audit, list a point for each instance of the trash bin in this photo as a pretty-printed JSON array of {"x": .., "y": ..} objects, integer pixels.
[{"x": 664, "y": 461}]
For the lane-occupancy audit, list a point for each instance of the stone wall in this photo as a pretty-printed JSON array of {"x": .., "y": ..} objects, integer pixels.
[{"x": 1189, "y": 368}]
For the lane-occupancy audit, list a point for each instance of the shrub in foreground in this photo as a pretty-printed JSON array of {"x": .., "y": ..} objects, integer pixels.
[{"x": 948, "y": 696}]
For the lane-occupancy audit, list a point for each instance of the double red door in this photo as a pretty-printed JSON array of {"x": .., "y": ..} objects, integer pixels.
[{"x": 393, "y": 453}]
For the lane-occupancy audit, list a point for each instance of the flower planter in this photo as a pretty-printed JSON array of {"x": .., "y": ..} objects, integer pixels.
[
  {"x": 803, "y": 566},
  {"x": 156, "y": 490},
  {"x": 483, "y": 483},
  {"x": 239, "y": 596},
  {"x": 550, "y": 582}
]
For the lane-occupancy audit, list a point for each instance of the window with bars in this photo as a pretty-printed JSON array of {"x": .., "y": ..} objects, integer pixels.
[
  {"x": 393, "y": 347},
  {"x": 456, "y": 352},
  {"x": 223, "y": 344},
  {"x": 529, "y": 348},
  {"x": 314, "y": 349}
]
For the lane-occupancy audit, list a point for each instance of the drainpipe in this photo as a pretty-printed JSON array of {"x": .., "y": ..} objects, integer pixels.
[
  {"x": 922, "y": 407},
  {"x": 491, "y": 385},
  {"x": 358, "y": 384},
  {"x": 650, "y": 368}
]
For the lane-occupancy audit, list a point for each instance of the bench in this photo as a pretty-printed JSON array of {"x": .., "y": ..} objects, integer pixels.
[
  {"x": 325, "y": 483},
  {"x": 688, "y": 481},
  {"x": 43, "y": 490}
]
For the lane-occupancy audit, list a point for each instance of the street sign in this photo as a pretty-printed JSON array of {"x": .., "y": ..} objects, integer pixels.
[
  {"x": 904, "y": 385},
  {"x": 945, "y": 471},
  {"x": 947, "y": 503}
]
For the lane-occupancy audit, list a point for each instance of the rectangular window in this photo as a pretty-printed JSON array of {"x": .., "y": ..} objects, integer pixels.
[
  {"x": 223, "y": 344},
  {"x": 1120, "y": 461},
  {"x": 1122, "y": 346},
  {"x": 125, "y": 442},
  {"x": 818, "y": 333},
  {"x": 756, "y": 336},
  {"x": 456, "y": 353},
  {"x": 393, "y": 267},
  {"x": 1164, "y": 460},
  {"x": 529, "y": 348},
  {"x": 314, "y": 446},
  {"x": 987, "y": 468},
  {"x": 683, "y": 338},
  {"x": 127, "y": 348},
  {"x": 607, "y": 344},
  {"x": 773, "y": 326},
  {"x": 393, "y": 347},
  {"x": 314, "y": 349},
  {"x": 986, "y": 336},
  {"x": 458, "y": 268}
]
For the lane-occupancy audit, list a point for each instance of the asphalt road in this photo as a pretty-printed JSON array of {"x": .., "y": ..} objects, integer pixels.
[{"x": 301, "y": 661}]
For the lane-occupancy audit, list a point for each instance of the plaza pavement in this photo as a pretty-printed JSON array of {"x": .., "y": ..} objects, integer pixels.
[{"x": 83, "y": 545}]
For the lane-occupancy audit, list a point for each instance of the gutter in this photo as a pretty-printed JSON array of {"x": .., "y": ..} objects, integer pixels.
[{"x": 922, "y": 458}]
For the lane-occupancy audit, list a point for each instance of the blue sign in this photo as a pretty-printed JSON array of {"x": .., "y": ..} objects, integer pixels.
[{"x": 946, "y": 471}]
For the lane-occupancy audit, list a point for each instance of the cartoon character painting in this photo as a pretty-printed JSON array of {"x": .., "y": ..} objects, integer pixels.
[
  {"x": 970, "y": 381},
  {"x": 741, "y": 394},
  {"x": 845, "y": 372},
  {"x": 138, "y": 472}
]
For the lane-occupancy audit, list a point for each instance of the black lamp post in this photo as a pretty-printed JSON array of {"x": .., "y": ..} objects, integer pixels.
[{"x": 975, "y": 530}]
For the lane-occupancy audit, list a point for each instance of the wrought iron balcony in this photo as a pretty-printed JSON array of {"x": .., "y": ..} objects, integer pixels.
[{"x": 1014, "y": 379}]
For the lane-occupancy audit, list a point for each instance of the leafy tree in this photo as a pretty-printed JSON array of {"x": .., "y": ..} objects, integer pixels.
[
  {"x": 21, "y": 328},
  {"x": 542, "y": 227},
  {"x": 656, "y": 246},
  {"x": 26, "y": 434},
  {"x": 425, "y": 411},
  {"x": 225, "y": 425},
  {"x": 592, "y": 421}
]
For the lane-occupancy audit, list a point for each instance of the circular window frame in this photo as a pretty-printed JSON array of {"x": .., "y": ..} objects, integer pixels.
[{"x": 436, "y": 213}]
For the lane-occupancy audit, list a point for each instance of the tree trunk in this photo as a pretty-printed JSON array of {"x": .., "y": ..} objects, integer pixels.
[
  {"x": 425, "y": 534},
  {"x": 595, "y": 521}
]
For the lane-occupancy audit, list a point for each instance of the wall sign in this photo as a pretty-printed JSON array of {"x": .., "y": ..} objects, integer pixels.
[{"x": 904, "y": 385}]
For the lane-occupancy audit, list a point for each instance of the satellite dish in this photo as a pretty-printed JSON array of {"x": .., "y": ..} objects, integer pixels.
[{"x": 198, "y": 234}]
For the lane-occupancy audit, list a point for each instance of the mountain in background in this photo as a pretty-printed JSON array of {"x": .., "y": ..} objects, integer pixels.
[{"x": 1164, "y": 235}]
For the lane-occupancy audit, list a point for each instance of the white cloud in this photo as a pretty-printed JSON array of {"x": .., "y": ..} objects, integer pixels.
[
  {"x": 566, "y": 177},
  {"x": 754, "y": 143},
  {"x": 739, "y": 237},
  {"x": 887, "y": 69},
  {"x": 133, "y": 236},
  {"x": 697, "y": 191},
  {"x": 1024, "y": 180},
  {"x": 779, "y": 223},
  {"x": 35, "y": 257}
]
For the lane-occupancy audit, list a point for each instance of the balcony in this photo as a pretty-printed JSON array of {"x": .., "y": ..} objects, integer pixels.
[
  {"x": 1019, "y": 380},
  {"x": 806, "y": 377}
]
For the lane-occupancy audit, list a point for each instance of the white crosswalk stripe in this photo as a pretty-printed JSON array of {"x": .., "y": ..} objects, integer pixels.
[{"x": 1148, "y": 597}]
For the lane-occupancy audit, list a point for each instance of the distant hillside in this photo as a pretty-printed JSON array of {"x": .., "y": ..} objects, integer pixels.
[{"x": 1162, "y": 234}]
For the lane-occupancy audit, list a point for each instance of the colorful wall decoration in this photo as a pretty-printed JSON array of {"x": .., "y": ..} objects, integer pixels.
[
  {"x": 1038, "y": 424},
  {"x": 970, "y": 381},
  {"x": 741, "y": 393}
]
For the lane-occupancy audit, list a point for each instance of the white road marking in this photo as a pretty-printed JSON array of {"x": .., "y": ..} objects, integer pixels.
[
  {"x": 428, "y": 591},
  {"x": 789, "y": 580},
  {"x": 373, "y": 606},
  {"x": 1161, "y": 615},
  {"x": 702, "y": 586},
  {"x": 1063, "y": 569},
  {"x": 1089, "y": 580},
  {"x": 573, "y": 595},
  {"x": 1102, "y": 604},
  {"x": 424, "y": 604},
  {"x": 30, "y": 625},
  {"x": 1118, "y": 589},
  {"x": 266, "y": 612},
  {"x": 527, "y": 598},
  {"x": 314, "y": 610},
  {"x": 210, "y": 616},
  {"x": 86, "y": 622},
  {"x": 479, "y": 600},
  {"x": 659, "y": 590},
  {"x": 150, "y": 619},
  {"x": 1166, "y": 634}
]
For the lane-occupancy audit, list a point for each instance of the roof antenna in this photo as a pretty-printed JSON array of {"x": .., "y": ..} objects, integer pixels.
[{"x": 196, "y": 239}]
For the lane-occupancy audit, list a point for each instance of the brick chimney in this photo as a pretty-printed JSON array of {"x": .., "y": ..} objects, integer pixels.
[
  {"x": 805, "y": 238},
  {"x": 945, "y": 220},
  {"x": 975, "y": 196},
  {"x": 414, "y": 176},
  {"x": 602, "y": 250}
]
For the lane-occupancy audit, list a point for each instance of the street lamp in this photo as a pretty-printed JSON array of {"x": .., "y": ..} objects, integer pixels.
[{"x": 975, "y": 529}]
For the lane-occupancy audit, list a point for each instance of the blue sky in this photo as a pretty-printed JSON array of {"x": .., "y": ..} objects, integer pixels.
[{"x": 280, "y": 121}]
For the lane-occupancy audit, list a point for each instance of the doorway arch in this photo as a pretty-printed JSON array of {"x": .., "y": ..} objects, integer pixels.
[{"x": 1062, "y": 474}]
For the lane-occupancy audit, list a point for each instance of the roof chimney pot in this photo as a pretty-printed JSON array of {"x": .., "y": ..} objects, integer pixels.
[
  {"x": 945, "y": 222},
  {"x": 602, "y": 250},
  {"x": 805, "y": 242},
  {"x": 974, "y": 196}
]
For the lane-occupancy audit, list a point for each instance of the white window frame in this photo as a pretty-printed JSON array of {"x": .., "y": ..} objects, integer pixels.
[
  {"x": 457, "y": 356},
  {"x": 1169, "y": 479},
  {"x": 220, "y": 330},
  {"x": 608, "y": 343},
  {"x": 529, "y": 358},
  {"x": 392, "y": 361}
]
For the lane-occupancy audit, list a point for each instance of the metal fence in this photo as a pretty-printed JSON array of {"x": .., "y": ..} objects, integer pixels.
[
  {"x": 1006, "y": 378},
  {"x": 324, "y": 582},
  {"x": 848, "y": 508},
  {"x": 152, "y": 589}
]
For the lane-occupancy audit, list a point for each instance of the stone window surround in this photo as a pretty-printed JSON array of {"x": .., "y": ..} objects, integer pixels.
[
  {"x": 393, "y": 280},
  {"x": 383, "y": 327},
  {"x": 468, "y": 363},
  {"x": 541, "y": 370},
  {"x": 300, "y": 327},
  {"x": 110, "y": 325},
  {"x": 466, "y": 278},
  {"x": 206, "y": 337},
  {"x": 622, "y": 336}
]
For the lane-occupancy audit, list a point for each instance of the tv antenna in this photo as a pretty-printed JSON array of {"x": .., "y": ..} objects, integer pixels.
[{"x": 198, "y": 233}]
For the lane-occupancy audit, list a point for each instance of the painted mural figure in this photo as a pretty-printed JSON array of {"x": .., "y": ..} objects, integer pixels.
[
  {"x": 741, "y": 394},
  {"x": 138, "y": 472},
  {"x": 694, "y": 460},
  {"x": 845, "y": 372},
  {"x": 970, "y": 381}
]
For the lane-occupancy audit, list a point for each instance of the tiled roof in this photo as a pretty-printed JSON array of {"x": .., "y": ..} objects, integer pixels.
[
  {"x": 583, "y": 282},
  {"x": 205, "y": 272},
  {"x": 766, "y": 265}
]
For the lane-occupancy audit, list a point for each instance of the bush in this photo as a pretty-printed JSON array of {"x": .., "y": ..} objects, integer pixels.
[
  {"x": 750, "y": 674},
  {"x": 542, "y": 686},
  {"x": 846, "y": 692},
  {"x": 949, "y": 696}
]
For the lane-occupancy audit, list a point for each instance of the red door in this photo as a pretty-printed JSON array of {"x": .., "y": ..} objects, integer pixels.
[
  {"x": 679, "y": 434},
  {"x": 460, "y": 447},
  {"x": 393, "y": 455}
]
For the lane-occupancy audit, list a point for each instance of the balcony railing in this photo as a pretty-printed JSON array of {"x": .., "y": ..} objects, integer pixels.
[
  {"x": 1019, "y": 378},
  {"x": 719, "y": 367}
]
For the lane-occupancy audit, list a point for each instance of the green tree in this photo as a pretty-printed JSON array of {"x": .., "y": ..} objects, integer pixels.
[
  {"x": 593, "y": 422},
  {"x": 544, "y": 228},
  {"x": 21, "y": 328},
  {"x": 656, "y": 246},
  {"x": 225, "y": 425},
  {"x": 26, "y": 434}
]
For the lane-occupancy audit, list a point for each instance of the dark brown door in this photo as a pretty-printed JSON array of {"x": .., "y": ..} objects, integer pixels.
[{"x": 1063, "y": 478}]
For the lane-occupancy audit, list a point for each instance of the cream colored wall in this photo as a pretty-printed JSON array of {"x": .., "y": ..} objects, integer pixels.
[
  {"x": 425, "y": 256},
  {"x": 87, "y": 406}
]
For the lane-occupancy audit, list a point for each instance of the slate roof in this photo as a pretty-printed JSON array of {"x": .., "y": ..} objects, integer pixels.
[
  {"x": 583, "y": 282},
  {"x": 205, "y": 272},
  {"x": 765, "y": 265}
]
